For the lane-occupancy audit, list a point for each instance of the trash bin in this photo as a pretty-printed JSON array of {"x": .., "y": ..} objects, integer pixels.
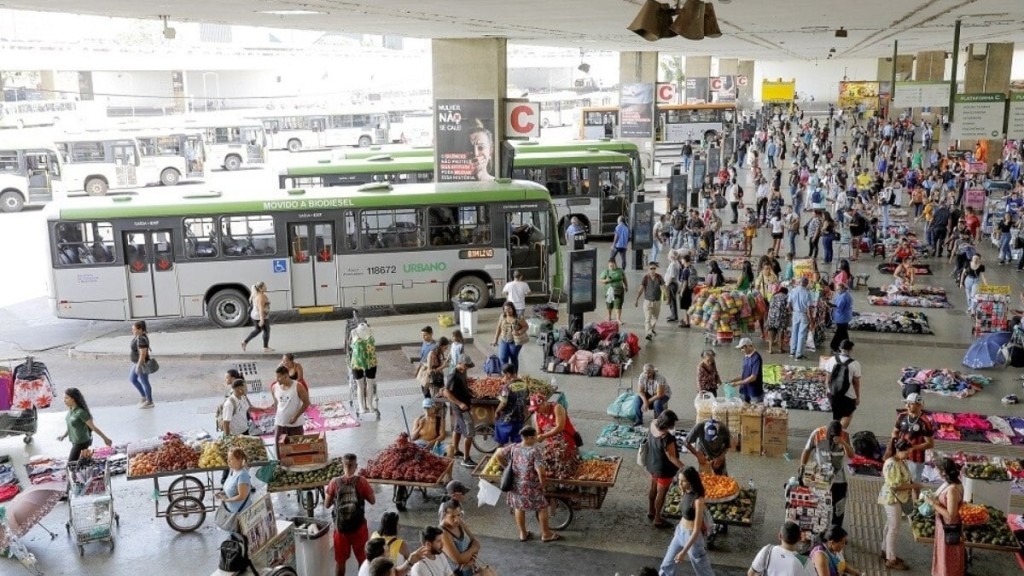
[
  {"x": 466, "y": 313},
  {"x": 313, "y": 544}
]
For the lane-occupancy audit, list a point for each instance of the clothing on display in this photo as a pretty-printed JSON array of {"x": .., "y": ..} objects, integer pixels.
[
  {"x": 919, "y": 296},
  {"x": 943, "y": 381},
  {"x": 891, "y": 322},
  {"x": 796, "y": 387}
]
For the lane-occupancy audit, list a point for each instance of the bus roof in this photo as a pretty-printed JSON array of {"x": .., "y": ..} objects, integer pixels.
[
  {"x": 373, "y": 164},
  {"x": 532, "y": 146},
  {"x": 97, "y": 136},
  {"x": 581, "y": 157},
  {"x": 406, "y": 152},
  {"x": 212, "y": 203}
]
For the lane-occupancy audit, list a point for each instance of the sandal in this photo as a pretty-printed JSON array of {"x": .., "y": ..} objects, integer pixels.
[
  {"x": 528, "y": 536},
  {"x": 661, "y": 524},
  {"x": 553, "y": 537}
]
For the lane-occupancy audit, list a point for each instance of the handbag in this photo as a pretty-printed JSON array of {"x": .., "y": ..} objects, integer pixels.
[
  {"x": 643, "y": 451},
  {"x": 953, "y": 533},
  {"x": 151, "y": 365},
  {"x": 227, "y": 520},
  {"x": 508, "y": 477},
  {"x": 520, "y": 337},
  {"x": 578, "y": 439}
]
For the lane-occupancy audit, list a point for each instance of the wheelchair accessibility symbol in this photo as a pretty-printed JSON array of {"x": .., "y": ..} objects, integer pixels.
[{"x": 280, "y": 266}]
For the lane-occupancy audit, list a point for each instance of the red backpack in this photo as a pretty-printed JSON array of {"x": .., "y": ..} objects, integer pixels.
[
  {"x": 633, "y": 342},
  {"x": 610, "y": 370}
]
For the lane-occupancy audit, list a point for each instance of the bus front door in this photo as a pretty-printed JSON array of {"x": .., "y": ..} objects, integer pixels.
[
  {"x": 126, "y": 164},
  {"x": 314, "y": 264},
  {"x": 615, "y": 196},
  {"x": 527, "y": 244},
  {"x": 318, "y": 124},
  {"x": 152, "y": 280},
  {"x": 40, "y": 185}
]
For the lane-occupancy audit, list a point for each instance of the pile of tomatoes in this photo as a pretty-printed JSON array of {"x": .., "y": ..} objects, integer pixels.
[{"x": 405, "y": 461}]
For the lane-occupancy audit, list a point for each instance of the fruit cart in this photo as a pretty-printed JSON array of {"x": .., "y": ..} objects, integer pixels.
[
  {"x": 565, "y": 495},
  {"x": 485, "y": 403},
  {"x": 406, "y": 466},
  {"x": 995, "y": 534},
  {"x": 308, "y": 484},
  {"x": 737, "y": 510}
]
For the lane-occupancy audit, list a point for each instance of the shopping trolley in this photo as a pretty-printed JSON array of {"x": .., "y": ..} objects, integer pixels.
[{"x": 91, "y": 517}]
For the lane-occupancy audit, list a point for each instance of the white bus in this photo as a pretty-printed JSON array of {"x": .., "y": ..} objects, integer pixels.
[
  {"x": 98, "y": 162},
  {"x": 415, "y": 128},
  {"x": 303, "y": 130},
  {"x": 196, "y": 254},
  {"x": 558, "y": 108},
  {"x": 235, "y": 145},
  {"x": 64, "y": 113},
  {"x": 174, "y": 155},
  {"x": 29, "y": 175}
]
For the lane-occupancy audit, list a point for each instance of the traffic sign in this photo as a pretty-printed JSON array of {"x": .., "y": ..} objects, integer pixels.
[{"x": 280, "y": 266}]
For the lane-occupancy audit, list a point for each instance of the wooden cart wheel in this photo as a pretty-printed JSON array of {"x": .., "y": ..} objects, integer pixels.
[
  {"x": 186, "y": 486},
  {"x": 185, "y": 513},
  {"x": 483, "y": 438},
  {"x": 560, "y": 513}
]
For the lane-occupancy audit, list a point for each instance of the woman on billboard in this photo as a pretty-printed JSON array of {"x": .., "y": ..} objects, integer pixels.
[{"x": 483, "y": 151}]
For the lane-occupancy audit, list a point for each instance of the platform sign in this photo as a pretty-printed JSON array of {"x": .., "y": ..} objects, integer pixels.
[
  {"x": 582, "y": 281},
  {"x": 522, "y": 119},
  {"x": 921, "y": 94},
  {"x": 974, "y": 198},
  {"x": 666, "y": 93},
  {"x": 1015, "y": 116},
  {"x": 978, "y": 116}
]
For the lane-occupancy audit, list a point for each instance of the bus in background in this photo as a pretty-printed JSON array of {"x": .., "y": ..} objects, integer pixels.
[
  {"x": 174, "y": 155},
  {"x": 380, "y": 168},
  {"x": 196, "y": 254},
  {"x": 598, "y": 122},
  {"x": 412, "y": 127},
  {"x": 30, "y": 174},
  {"x": 233, "y": 145},
  {"x": 393, "y": 151},
  {"x": 557, "y": 108},
  {"x": 96, "y": 162},
  {"x": 511, "y": 148},
  {"x": 296, "y": 131},
  {"x": 675, "y": 123},
  {"x": 71, "y": 114},
  {"x": 594, "y": 185}
]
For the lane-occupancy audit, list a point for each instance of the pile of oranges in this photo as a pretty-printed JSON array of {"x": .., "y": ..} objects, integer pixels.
[
  {"x": 973, "y": 514},
  {"x": 718, "y": 487}
]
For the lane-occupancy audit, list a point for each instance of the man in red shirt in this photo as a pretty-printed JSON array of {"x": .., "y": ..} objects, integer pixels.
[
  {"x": 973, "y": 224},
  {"x": 353, "y": 538},
  {"x": 915, "y": 427}
]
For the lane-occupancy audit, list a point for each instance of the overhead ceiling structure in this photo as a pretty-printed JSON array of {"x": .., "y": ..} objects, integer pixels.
[{"x": 755, "y": 29}]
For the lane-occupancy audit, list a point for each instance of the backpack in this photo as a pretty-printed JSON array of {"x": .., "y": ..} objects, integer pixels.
[
  {"x": 219, "y": 414},
  {"x": 492, "y": 367},
  {"x": 865, "y": 444},
  {"x": 234, "y": 555},
  {"x": 739, "y": 192},
  {"x": 564, "y": 350},
  {"x": 839, "y": 381},
  {"x": 816, "y": 196},
  {"x": 610, "y": 370},
  {"x": 587, "y": 339},
  {"x": 678, "y": 220},
  {"x": 349, "y": 513}
]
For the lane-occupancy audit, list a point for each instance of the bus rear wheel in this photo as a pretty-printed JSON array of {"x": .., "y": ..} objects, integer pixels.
[
  {"x": 294, "y": 145},
  {"x": 365, "y": 141},
  {"x": 232, "y": 163},
  {"x": 170, "y": 177},
  {"x": 95, "y": 187},
  {"x": 11, "y": 201},
  {"x": 228, "y": 309},
  {"x": 471, "y": 289}
]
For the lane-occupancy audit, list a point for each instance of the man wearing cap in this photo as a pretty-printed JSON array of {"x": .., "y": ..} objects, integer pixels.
[
  {"x": 844, "y": 405},
  {"x": 456, "y": 391},
  {"x": 455, "y": 490},
  {"x": 429, "y": 430},
  {"x": 653, "y": 291},
  {"x": 751, "y": 381},
  {"x": 830, "y": 446},
  {"x": 842, "y": 313},
  {"x": 709, "y": 442},
  {"x": 652, "y": 393},
  {"x": 800, "y": 309},
  {"x": 915, "y": 427}
]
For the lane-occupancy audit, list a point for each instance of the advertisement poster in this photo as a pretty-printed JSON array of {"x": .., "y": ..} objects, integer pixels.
[
  {"x": 464, "y": 132},
  {"x": 636, "y": 111},
  {"x": 979, "y": 116},
  {"x": 1015, "y": 121},
  {"x": 723, "y": 89},
  {"x": 858, "y": 96},
  {"x": 697, "y": 90},
  {"x": 974, "y": 198},
  {"x": 778, "y": 91}
]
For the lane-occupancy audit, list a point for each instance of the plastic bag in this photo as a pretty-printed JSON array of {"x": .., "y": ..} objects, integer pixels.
[
  {"x": 487, "y": 494},
  {"x": 622, "y": 407}
]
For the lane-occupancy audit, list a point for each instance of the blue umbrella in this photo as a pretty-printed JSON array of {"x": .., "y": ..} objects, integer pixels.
[{"x": 984, "y": 352}]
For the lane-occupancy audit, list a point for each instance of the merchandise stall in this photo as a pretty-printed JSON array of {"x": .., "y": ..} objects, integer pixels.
[
  {"x": 969, "y": 428},
  {"x": 726, "y": 314},
  {"x": 406, "y": 466},
  {"x": 991, "y": 305},
  {"x": 796, "y": 387},
  {"x": 307, "y": 482},
  {"x": 917, "y": 296},
  {"x": 486, "y": 390},
  {"x": 729, "y": 505},
  {"x": 810, "y": 507},
  {"x": 891, "y": 322},
  {"x": 192, "y": 459},
  {"x": 943, "y": 381},
  {"x": 988, "y": 529}
]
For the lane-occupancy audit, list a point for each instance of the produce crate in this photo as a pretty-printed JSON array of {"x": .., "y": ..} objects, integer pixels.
[
  {"x": 303, "y": 450},
  {"x": 774, "y": 436},
  {"x": 751, "y": 434}
]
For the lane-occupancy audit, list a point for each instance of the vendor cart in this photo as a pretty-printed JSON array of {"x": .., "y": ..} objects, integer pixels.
[
  {"x": 23, "y": 390},
  {"x": 310, "y": 495},
  {"x": 565, "y": 495},
  {"x": 402, "y": 489},
  {"x": 186, "y": 496},
  {"x": 484, "y": 415},
  {"x": 735, "y": 510},
  {"x": 91, "y": 516},
  {"x": 19, "y": 423}
]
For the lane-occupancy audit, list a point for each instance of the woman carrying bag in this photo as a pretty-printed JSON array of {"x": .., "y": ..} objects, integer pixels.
[
  {"x": 897, "y": 496},
  {"x": 949, "y": 557},
  {"x": 510, "y": 335},
  {"x": 259, "y": 311},
  {"x": 432, "y": 373},
  {"x": 236, "y": 494},
  {"x": 526, "y": 461}
]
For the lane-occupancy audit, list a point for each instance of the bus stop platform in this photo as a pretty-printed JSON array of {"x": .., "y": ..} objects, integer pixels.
[{"x": 289, "y": 332}]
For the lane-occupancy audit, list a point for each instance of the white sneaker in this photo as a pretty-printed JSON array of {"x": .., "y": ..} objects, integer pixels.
[{"x": 146, "y": 405}]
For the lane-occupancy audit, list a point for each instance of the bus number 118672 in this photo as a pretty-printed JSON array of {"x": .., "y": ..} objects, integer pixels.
[{"x": 381, "y": 269}]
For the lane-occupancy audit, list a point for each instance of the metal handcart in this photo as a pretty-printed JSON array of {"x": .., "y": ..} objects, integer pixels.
[{"x": 91, "y": 514}]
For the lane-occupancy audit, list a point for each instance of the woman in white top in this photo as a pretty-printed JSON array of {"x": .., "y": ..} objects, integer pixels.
[{"x": 290, "y": 402}]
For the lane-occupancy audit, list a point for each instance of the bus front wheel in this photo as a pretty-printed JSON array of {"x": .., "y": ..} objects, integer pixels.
[
  {"x": 232, "y": 163},
  {"x": 11, "y": 201},
  {"x": 471, "y": 289},
  {"x": 365, "y": 141},
  {"x": 228, "y": 309},
  {"x": 95, "y": 187},
  {"x": 294, "y": 145},
  {"x": 170, "y": 177}
]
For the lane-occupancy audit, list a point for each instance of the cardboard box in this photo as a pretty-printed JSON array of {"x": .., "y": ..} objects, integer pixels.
[
  {"x": 774, "y": 445},
  {"x": 750, "y": 432},
  {"x": 774, "y": 426}
]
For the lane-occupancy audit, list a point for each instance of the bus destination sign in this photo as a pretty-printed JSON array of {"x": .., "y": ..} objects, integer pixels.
[{"x": 476, "y": 253}]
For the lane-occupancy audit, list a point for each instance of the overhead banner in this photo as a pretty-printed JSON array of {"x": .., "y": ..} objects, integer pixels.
[
  {"x": 464, "y": 135},
  {"x": 921, "y": 94},
  {"x": 979, "y": 116},
  {"x": 778, "y": 91},
  {"x": 859, "y": 96},
  {"x": 1015, "y": 118},
  {"x": 697, "y": 90},
  {"x": 723, "y": 88},
  {"x": 636, "y": 111}
]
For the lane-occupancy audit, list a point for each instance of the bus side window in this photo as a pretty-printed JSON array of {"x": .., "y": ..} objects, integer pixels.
[
  {"x": 442, "y": 227},
  {"x": 200, "y": 238}
]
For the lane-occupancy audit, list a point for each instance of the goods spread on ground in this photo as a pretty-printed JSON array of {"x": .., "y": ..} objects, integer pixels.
[
  {"x": 490, "y": 386},
  {"x": 919, "y": 269},
  {"x": 909, "y": 297},
  {"x": 9, "y": 485},
  {"x": 891, "y": 322},
  {"x": 943, "y": 381},
  {"x": 727, "y": 311},
  {"x": 967, "y": 427},
  {"x": 599, "y": 349},
  {"x": 798, "y": 387},
  {"x": 320, "y": 417},
  {"x": 284, "y": 479},
  {"x": 404, "y": 461},
  {"x": 993, "y": 532},
  {"x": 738, "y": 511}
]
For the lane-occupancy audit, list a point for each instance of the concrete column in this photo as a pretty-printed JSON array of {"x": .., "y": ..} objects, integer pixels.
[
  {"x": 988, "y": 68},
  {"x": 179, "y": 90},
  {"x": 642, "y": 68},
  {"x": 2, "y": 99},
  {"x": 48, "y": 84},
  {"x": 728, "y": 66},
  {"x": 85, "y": 89},
  {"x": 698, "y": 71},
  {"x": 930, "y": 65},
  {"x": 746, "y": 92}
]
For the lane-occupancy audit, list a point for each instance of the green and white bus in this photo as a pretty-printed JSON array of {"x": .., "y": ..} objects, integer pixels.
[
  {"x": 30, "y": 174},
  {"x": 512, "y": 148},
  {"x": 397, "y": 151},
  {"x": 196, "y": 254},
  {"x": 379, "y": 168}
]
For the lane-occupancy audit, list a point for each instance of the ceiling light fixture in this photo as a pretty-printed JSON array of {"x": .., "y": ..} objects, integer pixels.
[
  {"x": 169, "y": 33},
  {"x": 694, "y": 20},
  {"x": 841, "y": 33},
  {"x": 583, "y": 67},
  {"x": 289, "y": 12}
]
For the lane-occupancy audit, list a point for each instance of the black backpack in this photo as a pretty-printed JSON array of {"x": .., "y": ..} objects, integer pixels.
[
  {"x": 839, "y": 381},
  {"x": 865, "y": 444},
  {"x": 349, "y": 509},
  {"x": 234, "y": 555},
  {"x": 678, "y": 220}
]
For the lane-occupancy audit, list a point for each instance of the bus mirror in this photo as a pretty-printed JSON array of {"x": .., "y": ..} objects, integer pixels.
[
  {"x": 375, "y": 187},
  {"x": 296, "y": 192}
]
